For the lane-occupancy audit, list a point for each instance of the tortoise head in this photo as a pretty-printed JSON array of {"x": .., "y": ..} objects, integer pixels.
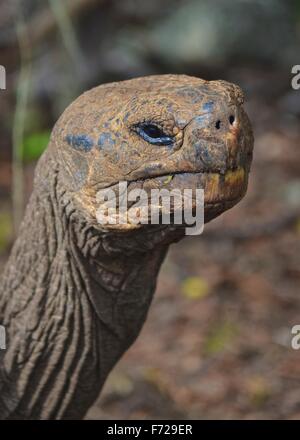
[{"x": 169, "y": 131}]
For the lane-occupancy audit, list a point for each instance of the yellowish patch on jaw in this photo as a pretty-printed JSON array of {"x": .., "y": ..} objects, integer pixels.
[
  {"x": 217, "y": 188},
  {"x": 211, "y": 190},
  {"x": 168, "y": 179},
  {"x": 228, "y": 187},
  {"x": 235, "y": 177}
]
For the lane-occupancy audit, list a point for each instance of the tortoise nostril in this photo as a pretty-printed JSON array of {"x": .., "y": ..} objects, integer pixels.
[
  {"x": 231, "y": 119},
  {"x": 218, "y": 124}
]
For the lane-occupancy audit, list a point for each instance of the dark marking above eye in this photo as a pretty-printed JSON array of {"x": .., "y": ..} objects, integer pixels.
[
  {"x": 80, "y": 142},
  {"x": 153, "y": 134}
]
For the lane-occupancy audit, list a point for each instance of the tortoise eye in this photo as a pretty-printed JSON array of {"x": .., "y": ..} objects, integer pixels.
[{"x": 153, "y": 134}]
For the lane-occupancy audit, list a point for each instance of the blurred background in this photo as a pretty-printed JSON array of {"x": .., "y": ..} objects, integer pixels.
[{"x": 217, "y": 342}]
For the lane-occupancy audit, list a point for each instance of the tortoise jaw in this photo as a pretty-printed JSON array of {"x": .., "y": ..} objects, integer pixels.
[
  {"x": 221, "y": 192},
  {"x": 218, "y": 187}
]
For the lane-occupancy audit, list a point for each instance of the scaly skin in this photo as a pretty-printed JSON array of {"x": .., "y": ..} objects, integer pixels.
[{"x": 74, "y": 295}]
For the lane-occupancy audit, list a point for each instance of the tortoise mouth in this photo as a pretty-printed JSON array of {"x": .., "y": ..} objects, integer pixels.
[
  {"x": 218, "y": 187},
  {"x": 220, "y": 192}
]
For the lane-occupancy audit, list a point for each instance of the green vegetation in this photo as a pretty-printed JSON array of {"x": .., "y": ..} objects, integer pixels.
[
  {"x": 35, "y": 144},
  {"x": 6, "y": 230}
]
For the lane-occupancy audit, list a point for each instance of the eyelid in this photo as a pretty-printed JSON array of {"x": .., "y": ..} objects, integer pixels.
[{"x": 144, "y": 124}]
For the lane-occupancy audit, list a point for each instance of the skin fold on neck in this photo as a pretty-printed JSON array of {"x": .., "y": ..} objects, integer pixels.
[{"x": 72, "y": 304}]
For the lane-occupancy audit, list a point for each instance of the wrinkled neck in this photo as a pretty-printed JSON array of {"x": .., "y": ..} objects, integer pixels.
[{"x": 71, "y": 308}]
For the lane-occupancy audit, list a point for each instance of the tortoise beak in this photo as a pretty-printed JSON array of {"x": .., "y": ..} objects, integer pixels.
[{"x": 221, "y": 190}]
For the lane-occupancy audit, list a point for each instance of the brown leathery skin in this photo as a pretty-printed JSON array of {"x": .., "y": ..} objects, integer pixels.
[{"x": 74, "y": 295}]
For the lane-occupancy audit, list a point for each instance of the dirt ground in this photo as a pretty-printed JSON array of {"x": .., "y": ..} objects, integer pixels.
[{"x": 217, "y": 342}]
